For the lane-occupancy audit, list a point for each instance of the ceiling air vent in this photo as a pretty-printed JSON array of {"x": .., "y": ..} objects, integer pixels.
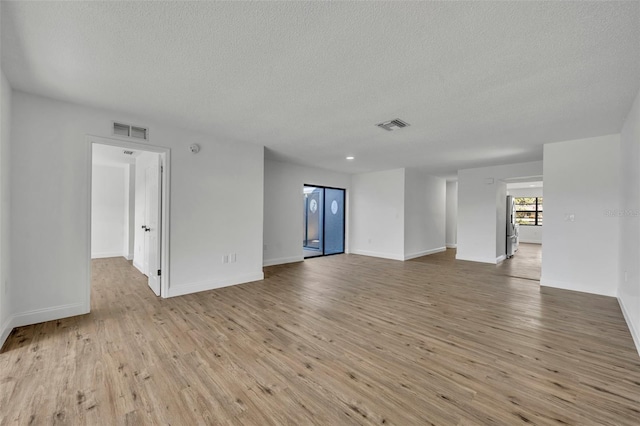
[
  {"x": 127, "y": 152},
  {"x": 129, "y": 131},
  {"x": 393, "y": 124}
]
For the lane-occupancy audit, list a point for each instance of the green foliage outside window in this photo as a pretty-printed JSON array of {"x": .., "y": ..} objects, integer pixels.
[{"x": 529, "y": 210}]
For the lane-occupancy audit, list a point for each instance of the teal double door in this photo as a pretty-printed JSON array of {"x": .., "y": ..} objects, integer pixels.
[{"x": 324, "y": 221}]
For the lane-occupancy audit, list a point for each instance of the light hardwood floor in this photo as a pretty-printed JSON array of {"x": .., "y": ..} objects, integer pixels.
[{"x": 336, "y": 341}]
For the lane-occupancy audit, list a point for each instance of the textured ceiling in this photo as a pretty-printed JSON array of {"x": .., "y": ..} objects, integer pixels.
[{"x": 480, "y": 82}]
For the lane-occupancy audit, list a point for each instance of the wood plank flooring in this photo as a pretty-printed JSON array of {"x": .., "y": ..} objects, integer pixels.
[{"x": 339, "y": 340}]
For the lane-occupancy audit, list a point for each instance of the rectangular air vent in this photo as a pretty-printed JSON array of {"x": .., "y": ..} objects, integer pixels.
[
  {"x": 393, "y": 124},
  {"x": 129, "y": 131}
]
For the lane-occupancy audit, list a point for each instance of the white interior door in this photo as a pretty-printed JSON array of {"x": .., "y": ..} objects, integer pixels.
[
  {"x": 153, "y": 198},
  {"x": 145, "y": 227}
]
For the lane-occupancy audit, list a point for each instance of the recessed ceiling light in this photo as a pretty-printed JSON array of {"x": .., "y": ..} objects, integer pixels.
[
  {"x": 531, "y": 185},
  {"x": 350, "y": 157}
]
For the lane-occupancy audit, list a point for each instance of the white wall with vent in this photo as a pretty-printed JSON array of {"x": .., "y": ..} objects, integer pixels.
[{"x": 216, "y": 206}]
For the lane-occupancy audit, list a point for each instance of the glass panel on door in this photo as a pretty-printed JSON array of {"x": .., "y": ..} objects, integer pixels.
[
  {"x": 313, "y": 221},
  {"x": 333, "y": 221}
]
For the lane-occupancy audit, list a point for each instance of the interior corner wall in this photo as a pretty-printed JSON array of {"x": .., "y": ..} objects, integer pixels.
[
  {"x": 424, "y": 214},
  {"x": 629, "y": 221},
  {"x": 581, "y": 192},
  {"x": 377, "y": 214},
  {"x": 108, "y": 210},
  {"x": 451, "y": 236},
  {"x": 5, "y": 202},
  {"x": 216, "y": 206},
  {"x": 480, "y": 192},
  {"x": 283, "y": 209},
  {"x": 528, "y": 233}
]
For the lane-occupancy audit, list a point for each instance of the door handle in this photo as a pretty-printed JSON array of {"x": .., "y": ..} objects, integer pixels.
[{"x": 146, "y": 229}]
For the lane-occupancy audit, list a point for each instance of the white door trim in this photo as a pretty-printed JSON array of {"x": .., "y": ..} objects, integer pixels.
[{"x": 165, "y": 155}]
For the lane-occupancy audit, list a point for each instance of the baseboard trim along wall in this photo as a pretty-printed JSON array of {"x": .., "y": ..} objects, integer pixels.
[
  {"x": 282, "y": 260},
  {"x": 424, "y": 253},
  {"x": 180, "y": 290},
  {"x": 41, "y": 315},
  {"x": 635, "y": 333},
  {"x": 452, "y": 245},
  {"x": 492, "y": 260},
  {"x": 378, "y": 254},
  {"x": 106, "y": 255},
  {"x": 545, "y": 282}
]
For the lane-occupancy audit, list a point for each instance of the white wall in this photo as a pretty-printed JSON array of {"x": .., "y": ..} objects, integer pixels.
[
  {"x": 5, "y": 167},
  {"x": 283, "y": 209},
  {"x": 529, "y": 234},
  {"x": 109, "y": 186},
  {"x": 451, "y": 236},
  {"x": 629, "y": 221},
  {"x": 424, "y": 214},
  {"x": 581, "y": 179},
  {"x": 377, "y": 214},
  {"x": 216, "y": 206},
  {"x": 481, "y": 199}
]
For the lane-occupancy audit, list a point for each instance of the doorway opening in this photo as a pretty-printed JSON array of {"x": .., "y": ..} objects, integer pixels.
[
  {"x": 323, "y": 221},
  {"x": 525, "y": 211},
  {"x": 129, "y": 199}
]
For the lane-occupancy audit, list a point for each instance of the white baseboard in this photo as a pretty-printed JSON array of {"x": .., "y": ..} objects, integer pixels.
[
  {"x": 635, "y": 333},
  {"x": 491, "y": 260},
  {"x": 282, "y": 260},
  {"x": 105, "y": 255},
  {"x": 452, "y": 245},
  {"x": 391, "y": 256},
  {"x": 41, "y": 315},
  {"x": 530, "y": 241},
  {"x": 129, "y": 256},
  {"x": 563, "y": 285},
  {"x": 424, "y": 253},
  {"x": 49, "y": 314},
  {"x": 501, "y": 258},
  {"x": 181, "y": 290}
]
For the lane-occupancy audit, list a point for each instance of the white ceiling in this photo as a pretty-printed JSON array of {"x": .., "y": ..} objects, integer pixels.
[{"x": 481, "y": 83}]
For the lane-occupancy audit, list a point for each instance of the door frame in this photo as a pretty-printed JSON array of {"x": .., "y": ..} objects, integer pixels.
[
  {"x": 165, "y": 156},
  {"x": 344, "y": 220}
]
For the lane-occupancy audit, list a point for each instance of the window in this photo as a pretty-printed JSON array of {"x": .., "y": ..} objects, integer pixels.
[{"x": 529, "y": 210}]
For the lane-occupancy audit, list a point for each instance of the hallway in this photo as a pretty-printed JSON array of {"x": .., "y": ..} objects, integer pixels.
[{"x": 526, "y": 263}]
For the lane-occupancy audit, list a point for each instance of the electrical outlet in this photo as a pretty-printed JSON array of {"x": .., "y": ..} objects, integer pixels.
[{"x": 232, "y": 258}]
